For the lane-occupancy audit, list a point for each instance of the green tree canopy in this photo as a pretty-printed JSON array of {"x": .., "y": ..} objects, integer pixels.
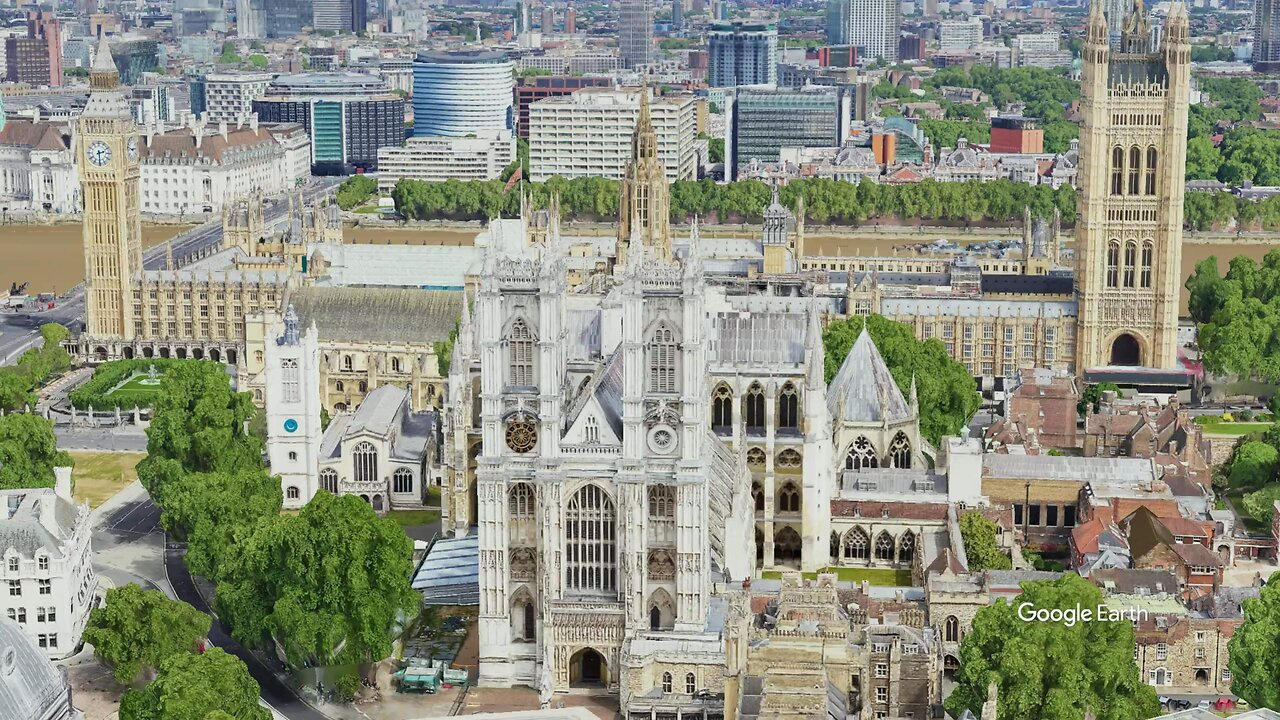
[
  {"x": 1091, "y": 400},
  {"x": 979, "y": 536},
  {"x": 136, "y": 630},
  {"x": 1239, "y": 316},
  {"x": 215, "y": 511},
  {"x": 1254, "y": 650},
  {"x": 356, "y": 191},
  {"x": 1046, "y": 670},
  {"x": 1253, "y": 465},
  {"x": 947, "y": 393},
  {"x": 197, "y": 687},
  {"x": 330, "y": 584},
  {"x": 28, "y": 452},
  {"x": 199, "y": 425}
]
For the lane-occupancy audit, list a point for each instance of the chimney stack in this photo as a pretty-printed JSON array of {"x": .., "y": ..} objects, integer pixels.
[{"x": 62, "y": 482}]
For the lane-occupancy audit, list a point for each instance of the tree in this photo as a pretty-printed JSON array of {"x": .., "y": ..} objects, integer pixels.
[
  {"x": 28, "y": 452},
  {"x": 197, "y": 687},
  {"x": 947, "y": 393},
  {"x": 356, "y": 191},
  {"x": 200, "y": 425},
  {"x": 15, "y": 390},
  {"x": 330, "y": 584},
  {"x": 1241, "y": 334},
  {"x": 1253, "y": 465},
  {"x": 1091, "y": 400},
  {"x": 1261, "y": 504},
  {"x": 215, "y": 511},
  {"x": 1047, "y": 670},
  {"x": 979, "y": 536},
  {"x": 1254, "y": 650},
  {"x": 258, "y": 61},
  {"x": 137, "y": 630}
]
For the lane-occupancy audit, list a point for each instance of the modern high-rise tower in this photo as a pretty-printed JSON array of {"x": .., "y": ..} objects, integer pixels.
[
  {"x": 742, "y": 53},
  {"x": 635, "y": 31},
  {"x": 1133, "y": 143},
  {"x": 108, "y": 141},
  {"x": 872, "y": 26},
  {"x": 1266, "y": 36}
]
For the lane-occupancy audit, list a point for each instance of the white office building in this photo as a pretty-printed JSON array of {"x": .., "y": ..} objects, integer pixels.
[
  {"x": 230, "y": 96},
  {"x": 38, "y": 168},
  {"x": 436, "y": 159},
  {"x": 1043, "y": 50},
  {"x": 588, "y": 134},
  {"x": 963, "y": 34},
  {"x": 47, "y": 569},
  {"x": 194, "y": 169}
]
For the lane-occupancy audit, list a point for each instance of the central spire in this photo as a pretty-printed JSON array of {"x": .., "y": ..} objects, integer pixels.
[{"x": 643, "y": 204}]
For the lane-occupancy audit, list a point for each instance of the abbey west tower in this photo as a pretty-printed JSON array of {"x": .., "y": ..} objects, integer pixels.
[
  {"x": 108, "y": 163},
  {"x": 1133, "y": 140}
]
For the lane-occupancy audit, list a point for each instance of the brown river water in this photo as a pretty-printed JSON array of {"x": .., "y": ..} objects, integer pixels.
[{"x": 51, "y": 258}]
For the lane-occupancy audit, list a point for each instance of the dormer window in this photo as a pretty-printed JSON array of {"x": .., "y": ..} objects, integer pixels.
[
  {"x": 43, "y": 562},
  {"x": 13, "y": 564}
]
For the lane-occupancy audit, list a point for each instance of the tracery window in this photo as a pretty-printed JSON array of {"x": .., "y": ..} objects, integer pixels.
[
  {"x": 402, "y": 480},
  {"x": 590, "y": 550},
  {"x": 722, "y": 407},
  {"x": 1130, "y": 262},
  {"x": 884, "y": 546},
  {"x": 1148, "y": 251},
  {"x": 789, "y": 408},
  {"x": 755, "y": 456},
  {"x": 1135, "y": 168},
  {"x": 592, "y": 430},
  {"x": 789, "y": 498},
  {"x": 900, "y": 451},
  {"x": 662, "y": 361},
  {"x": 789, "y": 458},
  {"x": 662, "y": 502},
  {"x": 520, "y": 353},
  {"x": 757, "y": 496},
  {"x": 520, "y": 501},
  {"x": 1151, "y": 170},
  {"x": 1113, "y": 264},
  {"x": 1117, "y": 171},
  {"x": 292, "y": 384},
  {"x": 907, "y": 548},
  {"x": 862, "y": 455},
  {"x": 365, "y": 458},
  {"x": 857, "y": 545},
  {"x": 753, "y": 406},
  {"x": 329, "y": 480}
]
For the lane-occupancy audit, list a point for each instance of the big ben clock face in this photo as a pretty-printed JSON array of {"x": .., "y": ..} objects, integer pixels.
[
  {"x": 133, "y": 148},
  {"x": 99, "y": 154}
]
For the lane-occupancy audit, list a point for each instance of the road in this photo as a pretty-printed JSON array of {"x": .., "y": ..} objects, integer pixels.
[
  {"x": 127, "y": 542},
  {"x": 20, "y": 330}
]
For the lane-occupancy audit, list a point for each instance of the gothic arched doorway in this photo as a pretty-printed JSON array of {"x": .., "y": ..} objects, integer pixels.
[
  {"x": 128, "y": 353},
  {"x": 587, "y": 668},
  {"x": 1125, "y": 350},
  {"x": 950, "y": 665}
]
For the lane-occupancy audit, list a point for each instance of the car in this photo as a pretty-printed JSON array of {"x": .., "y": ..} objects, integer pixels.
[{"x": 1204, "y": 705}]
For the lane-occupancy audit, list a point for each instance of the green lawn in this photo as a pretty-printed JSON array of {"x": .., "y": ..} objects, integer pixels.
[
  {"x": 99, "y": 475},
  {"x": 406, "y": 518},
  {"x": 885, "y": 577},
  {"x": 138, "y": 383},
  {"x": 1235, "y": 428}
]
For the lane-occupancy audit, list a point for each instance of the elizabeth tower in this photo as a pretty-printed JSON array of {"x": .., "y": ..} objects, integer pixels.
[
  {"x": 1133, "y": 142},
  {"x": 107, "y": 141}
]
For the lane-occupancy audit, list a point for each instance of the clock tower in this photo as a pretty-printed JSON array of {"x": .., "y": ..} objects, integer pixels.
[{"x": 107, "y": 141}]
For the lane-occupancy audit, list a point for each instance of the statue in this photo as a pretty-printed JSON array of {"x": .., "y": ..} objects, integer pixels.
[{"x": 151, "y": 371}]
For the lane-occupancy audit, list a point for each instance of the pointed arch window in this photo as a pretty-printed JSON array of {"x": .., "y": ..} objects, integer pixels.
[
  {"x": 662, "y": 502},
  {"x": 789, "y": 458},
  {"x": 1113, "y": 264},
  {"x": 900, "y": 451},
  {"x": 861, "y": 455},
  {"x": 722, "y": 408},
  {"x": 789, "y": 408},
  {"x": 520, "y": 501},
  {"x": 951, "y": 629},
  {"x": 789, "y": 498},
  {"x": 347, "y": 363},
  {"x": 755, "y": 456},
  {"x": 857, "y": 545},
  {"x": 884, "y": 547},
  {"x": 1148, "y": 252},
  {"x": 592, "y": 430},
  {"x": 329, "y": 480},
  {"x": 662, "y": 361},
  {"x": 395, "y": 365},
  {"x": 753, "y": 406},
  {"x": 690, "y": 683},
  {"x": 365, "y": 458},
  {"x": 590, "y": 541},
  {"x": 907, "y": 548},
  {"x": 1130, "y": 262},
  {"x": 402, "y": 480},
  {"x": 1117, "y": 171},
  {"x": 520, "y": 353},
  {"x": 1151, "y": 170},
  {"x": 1135, "y": 168},
  {"x": 757, "y": 496},
  {"x": 666, "y": 679}
]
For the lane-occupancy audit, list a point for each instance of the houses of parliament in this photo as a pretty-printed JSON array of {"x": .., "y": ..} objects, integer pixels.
[{"x": 1114, "y": 306}]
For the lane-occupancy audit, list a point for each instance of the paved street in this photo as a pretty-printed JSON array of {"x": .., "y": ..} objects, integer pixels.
[{"x": 101, "y": 439}]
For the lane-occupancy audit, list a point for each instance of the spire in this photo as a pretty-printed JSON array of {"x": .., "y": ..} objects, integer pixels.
[
  {"x": 914, "y": 400},
  {"x": 103, "y": 74},
  {"x": 814, "y": 353},
  {"x": 1097, "y": 32},
  {"x": 168, "y": 254},
  {"x": 644, "y": 142}
]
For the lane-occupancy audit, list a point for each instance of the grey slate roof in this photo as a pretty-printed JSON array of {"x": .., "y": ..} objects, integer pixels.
[
  {"x": 378, "y": 314},
  {"x": 385, "y": 411},
  {"x": 20, "y": 523},
  {"x": 863, "y": 390},
  {"x": 608, "y": 392},
  {"x": 1081, "y": 469},
  {"x": 769, "y": 337},
  {"x": 30, "y": 686}
]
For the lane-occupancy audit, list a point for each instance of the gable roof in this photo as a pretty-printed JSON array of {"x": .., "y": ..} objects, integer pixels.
[
  {"x": 32, "y": 135},
  {"x": 863, "y": 390}
]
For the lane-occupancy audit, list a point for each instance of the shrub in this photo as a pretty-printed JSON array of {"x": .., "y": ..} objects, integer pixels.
[
  {"x": 1245, "y": 415},
  {"x": 346, "y": 688},
  {"x": 1228, "y": 417}
]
